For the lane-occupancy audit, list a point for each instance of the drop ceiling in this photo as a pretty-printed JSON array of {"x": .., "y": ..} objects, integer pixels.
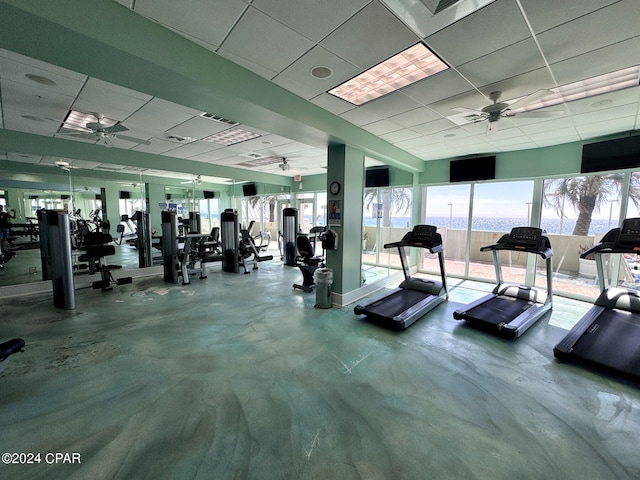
[{"x": 514, "y": 46}]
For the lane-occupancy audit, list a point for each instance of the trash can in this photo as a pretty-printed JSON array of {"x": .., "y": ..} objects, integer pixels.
[{"x": 324, "y": 282}]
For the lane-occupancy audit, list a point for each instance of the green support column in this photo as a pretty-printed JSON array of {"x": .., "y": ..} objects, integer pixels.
[{"x": 346, "y": 166}]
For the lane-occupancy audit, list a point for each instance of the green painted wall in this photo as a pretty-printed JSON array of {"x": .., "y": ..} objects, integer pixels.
[{"x": 346, "y": 165}]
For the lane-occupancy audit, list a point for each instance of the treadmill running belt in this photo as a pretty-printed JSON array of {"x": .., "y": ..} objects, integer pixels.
[
  {"x": 396, "y": 303},
  {"x": 498, "y": 310},
  {"x": 613, "y": 340}
]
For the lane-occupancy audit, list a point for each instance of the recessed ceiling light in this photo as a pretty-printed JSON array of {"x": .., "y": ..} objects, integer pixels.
[
  {"x": 321, "y": 72},
  {"x": 231, "y": 137},
  {"x": 77, "y": 120},
  {"x": 407, "y": 67},
  {"x": 41, "y": 80}
]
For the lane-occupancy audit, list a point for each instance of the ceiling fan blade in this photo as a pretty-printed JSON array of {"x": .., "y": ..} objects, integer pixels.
[
  {"x": 133, "y": 139},
  {"x": 534, "y": 97},
  {"x": 541, "y": 114},
  {"x": 467, "y": 110},
  {"x": 118, "y": 127},
  {"x": 101, "y": 127}
]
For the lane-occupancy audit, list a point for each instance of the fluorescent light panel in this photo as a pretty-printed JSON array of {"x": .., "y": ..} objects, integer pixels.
[
  {"x": 77, "y": 120},
  {"x": 231, "y": 136},
  {"x": 610, "y": 82},
  {"x": 407, "y": 67}
]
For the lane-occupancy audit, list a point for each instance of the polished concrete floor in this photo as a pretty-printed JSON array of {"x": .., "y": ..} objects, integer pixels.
[{"x": 238, "y": 376}]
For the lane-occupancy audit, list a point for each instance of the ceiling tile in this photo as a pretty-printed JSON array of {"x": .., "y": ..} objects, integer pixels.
[
  {"x": 416, "y": 116},
  {"x": 507, "y": 62},
  {"x": 192, "y": 149},
  {"x": 390, "y": 105},
  {"x": 577, "y": 37},
  {"x": 314, "y": 19},
  {"x": 197, "y": 128},
  {"x": 546, "y": 14},
  {"x": 605, "y": 107},
  {"x": 25, "y": 99},
  {"x": 597, "y": 129},
  {"x": 381, "y": 127},
  {"x": 399, "y": 136},
  {"x": 301, "y": 89},
  {"x": 443, "y": 85},
  {"x": 332, "y": 104},
  {"x": 369, "y": 37},
  {"x": 597, "y": 62},
  {"x": 158, "y": 116},
  {"x": 490, "y": 29},
  {"x": 300, "y": 70},
  {"x": 208, "y": 20},
  {"x": 264, "y": 41},
  {"x": 358, "y": 116},
  {"x": 521, "y": 85}
]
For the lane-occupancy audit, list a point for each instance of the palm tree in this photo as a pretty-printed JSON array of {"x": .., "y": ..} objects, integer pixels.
[
  {"x": 587, "y": 194},
  {"x": 397, "y": 199}
]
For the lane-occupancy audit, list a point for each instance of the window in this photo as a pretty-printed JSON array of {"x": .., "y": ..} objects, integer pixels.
[
  {"x": 497, "y": 208},
  {"x": 576, "y": 213},
  {"x": 447, "y": 207},
  {"x": 387, "y": 217}
]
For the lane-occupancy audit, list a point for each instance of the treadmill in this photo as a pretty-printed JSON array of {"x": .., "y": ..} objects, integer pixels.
[
  {"x": 511, "y": 308},
  {"x": 414, "y": 297},
  {"x": 608, "y": 335}
]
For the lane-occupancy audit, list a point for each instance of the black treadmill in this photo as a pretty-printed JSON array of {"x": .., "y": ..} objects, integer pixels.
[
  {"x": 608, "y": 335},
  {"x": 511, "y": 309},
  {"x": 414, "y": 297}
]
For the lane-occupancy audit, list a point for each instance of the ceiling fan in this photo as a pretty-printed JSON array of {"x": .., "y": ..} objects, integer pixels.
[
  {"x": 492, "y": 113},
  {"x": 197, "y": 180},
  {"x": 284, "y": 166},
  {"x": 102, "y": 132}
]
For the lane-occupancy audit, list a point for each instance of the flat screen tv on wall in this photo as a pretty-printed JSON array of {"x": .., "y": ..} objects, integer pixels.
[
  {"x": 249, "y": 190},
  {"x": 208, "y": 194},
  {"x": 611, "y": 155},
  {"x": 376, "y": 177},
  {"x": 472, "y": 169},
  {"x": 125, "y": 194}
]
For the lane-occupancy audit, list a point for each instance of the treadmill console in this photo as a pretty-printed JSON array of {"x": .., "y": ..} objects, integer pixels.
[
  {"x": 525, "y": 237},
  {"x": 422, "y": 235},
  {"x": 630, "y": 233}
]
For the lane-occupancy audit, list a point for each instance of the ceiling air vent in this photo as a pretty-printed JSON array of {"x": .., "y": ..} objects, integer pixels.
[
  {"x": 436, "y": 6},
  {"x": 218, "y": 118}
]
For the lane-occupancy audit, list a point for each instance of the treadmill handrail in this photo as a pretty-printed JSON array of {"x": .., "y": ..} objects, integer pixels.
[
  {"x": 432, "y": 248},
  {"x": 545, "y": 250}
]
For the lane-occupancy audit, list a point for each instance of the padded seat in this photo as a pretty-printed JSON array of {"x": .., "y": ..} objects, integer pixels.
[
  {"x": 307, "y": 262},
  {"x": 97, "y": 247}
]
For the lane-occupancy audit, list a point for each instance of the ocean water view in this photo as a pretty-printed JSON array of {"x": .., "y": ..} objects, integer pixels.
[{"x": 493, "y": 224}]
